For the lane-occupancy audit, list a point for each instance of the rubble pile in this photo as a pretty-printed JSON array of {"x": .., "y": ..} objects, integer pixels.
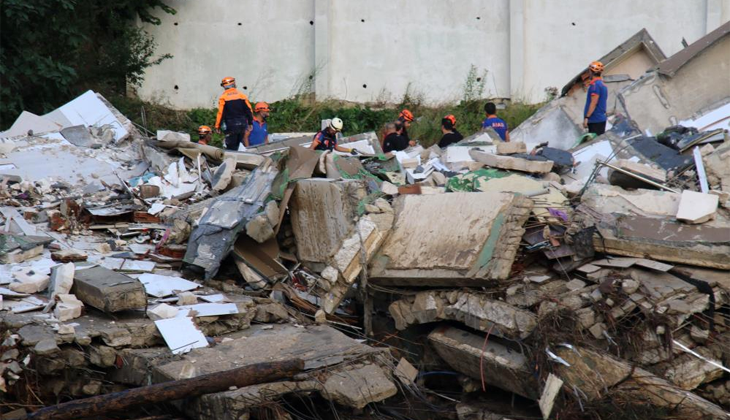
[{"x": 547, "y": 277}]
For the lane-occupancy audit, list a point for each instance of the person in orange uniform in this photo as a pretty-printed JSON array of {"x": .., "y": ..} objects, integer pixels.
[
  {"x": 234, "y": 110},
  {"x": 259, "y": 133},
  {"x": 205, "y": 134}
]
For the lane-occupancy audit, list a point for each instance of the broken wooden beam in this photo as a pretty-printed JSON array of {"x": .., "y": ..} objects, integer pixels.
[{"x": 169, "y": 391}]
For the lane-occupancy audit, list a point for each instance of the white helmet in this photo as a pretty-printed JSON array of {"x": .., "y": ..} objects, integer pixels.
[{"x": 336, "y": 124}]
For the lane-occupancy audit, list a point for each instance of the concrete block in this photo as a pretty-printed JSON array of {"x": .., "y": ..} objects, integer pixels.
[
  {"x": 29, "y": 280},
  {"x": 116, "y": 337},
  {"x": 69, "y": 255},
  {"x": 512, "y": 163},
  {"x": 510, "y": 148},
  {"x": 323, "y": 214},
  {"x": 108, "y": 290},
  {"x": 186, "y": 298},
  {"x": 389, "y": 189},
  {"x": 272, "y": 212},
  {"x": 162, "y": 311},
  {"x": 46, "y": 347},
  {"x": 359, "y": 387},
  {"x": 260, "y": 229},
  {"x": 62, "y": 279},
  {"x": 695, "y": 207},
  {"x": 499, "y": 365},
  {"x": 68, "y": 307}
]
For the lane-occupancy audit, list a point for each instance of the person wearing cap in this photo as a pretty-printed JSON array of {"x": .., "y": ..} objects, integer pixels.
[
  {"x": 392, "y": 140},
  {"x": 234, "y": 110},
  {"x": 594, "y": 114},
  {"x": 450, "y": 134},
  {"x": 327, "y": 139},
  {"x": 492, "y": 120},
  {"x": 205, "y": 135},
  {"x": 259, "y": 132}
]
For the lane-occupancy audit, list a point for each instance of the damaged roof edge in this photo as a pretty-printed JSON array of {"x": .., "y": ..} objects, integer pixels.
[
  {"x": 670, "y": 66},
  {"x": 639, "y": 39}
]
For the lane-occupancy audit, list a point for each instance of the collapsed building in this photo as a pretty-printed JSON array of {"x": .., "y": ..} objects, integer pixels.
[{"x": 145, "y": 274}]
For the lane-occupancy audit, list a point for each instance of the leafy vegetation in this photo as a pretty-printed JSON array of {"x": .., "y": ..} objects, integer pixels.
[{"x": 53, "y": 50}]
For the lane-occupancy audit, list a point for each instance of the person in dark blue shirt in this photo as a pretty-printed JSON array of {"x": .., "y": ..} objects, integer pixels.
[
  {"x": 498, "y": 124},
  {"x": 594, "y": 114},
  {"x": 259, "y": 132}
]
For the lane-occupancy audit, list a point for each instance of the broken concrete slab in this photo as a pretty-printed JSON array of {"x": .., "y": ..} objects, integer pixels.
[
  {"x": 474, "y": 310},
  {"x": 322, "y": 214},
  {"x": 341, "y": 354},
  {"x": 108, "y": 290},
  {"x": 422, "y": 250},
  {"x": 616, "y": 200},
  {"x": 655, "y": 174},
  {"x": 497, "y": 364},
  {"x": 29, "y": 280},
  {"x": 597, "y": 374},
  {"x": 223, "y": 174},
  {"x": 665, "y": 240},
  {"x": 356, "y": 251},
  {"x": 259, "y": 228},
  {"x": 512, "y": 163},
  {"x": 510, "y": 148},
  {"x": 695, "y": 207}
]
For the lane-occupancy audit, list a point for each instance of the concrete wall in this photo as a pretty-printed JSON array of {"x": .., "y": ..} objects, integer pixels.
[{"x": 374, "y": 50}]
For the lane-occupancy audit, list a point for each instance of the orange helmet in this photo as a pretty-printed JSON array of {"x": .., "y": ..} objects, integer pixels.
[
  {"x": 596, "y": 66},
  {"x": 228, "y": 81},
  {"x": 204, "y": 130},
  {"x": 451, "y": 118},
  {"x": 406, "y": 115},
  {"x": 262, "y": 107}
]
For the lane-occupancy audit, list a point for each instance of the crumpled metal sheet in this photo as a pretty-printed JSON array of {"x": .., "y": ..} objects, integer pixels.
[{"x": 213, "y": 238}]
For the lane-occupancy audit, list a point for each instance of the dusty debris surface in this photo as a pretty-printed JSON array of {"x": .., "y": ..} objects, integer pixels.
[{"x": 148, "y": 276}]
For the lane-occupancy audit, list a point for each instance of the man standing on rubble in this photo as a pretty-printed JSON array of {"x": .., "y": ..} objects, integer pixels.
[
  {"x": 594, "y": 115},
  {"x": 450, "y": 134},
  {"x": 234, "y": 110},
  {"x": 499, "y": 125},
  {"x": 327, "y": 139},
  {"x": 393, "y": 141},
  {"x": 259, "y": 132}
]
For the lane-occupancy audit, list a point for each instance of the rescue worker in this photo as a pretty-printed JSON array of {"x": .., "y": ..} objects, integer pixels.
[
  {"x": 259, "y": 132},
  {"x": 405, "y": 118},
  {"x": 234, "y": 110},
  {"x": 492, "y": 120},
  {"x": 205, "y": 134},
  {"x": 594, "y": 114},
  {"x": 392, "y": 140},
  {"x": 327, "y": 139},
  {"x": 450, "y": 134}
]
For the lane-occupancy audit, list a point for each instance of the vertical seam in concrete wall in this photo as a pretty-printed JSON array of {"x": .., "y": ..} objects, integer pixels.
[
  {"x": 516, "y": 67},
  {"x": 322, "y": 47}
]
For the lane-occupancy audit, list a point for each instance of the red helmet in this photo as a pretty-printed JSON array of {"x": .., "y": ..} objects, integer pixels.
[
  {"x": 451, "y": 118},
  {"x": 596, "y": 67},
  {"x": 204, "y": 130},
  {"x": 261, "y": 107},
  {"x": 227, "y": 81},
  {"x": 406, "y": 115}
]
